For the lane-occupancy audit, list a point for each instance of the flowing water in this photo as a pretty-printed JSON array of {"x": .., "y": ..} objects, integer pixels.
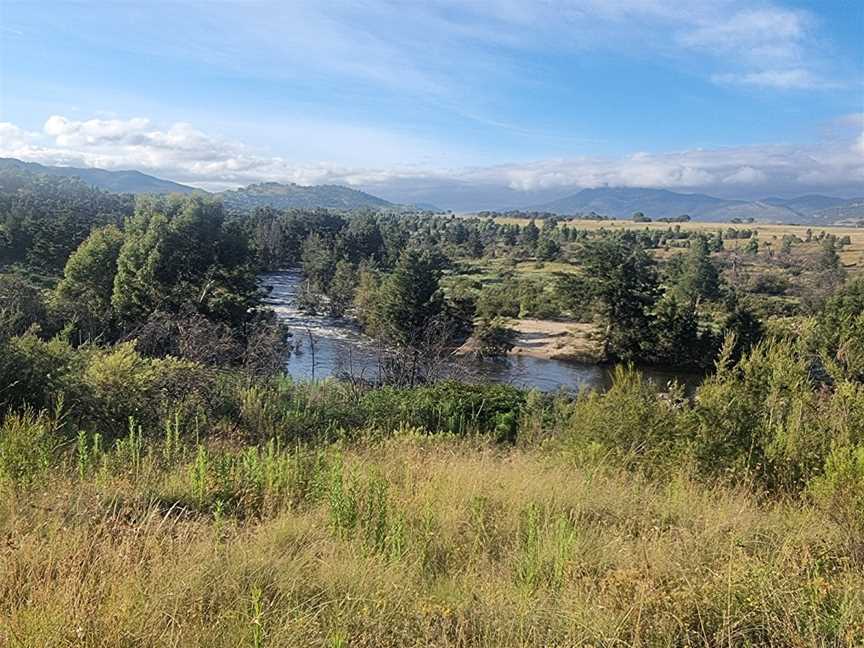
[{"x": 327, "y": 346}]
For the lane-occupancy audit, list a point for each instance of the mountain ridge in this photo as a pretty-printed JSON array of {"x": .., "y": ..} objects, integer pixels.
[
  {"x": 623, "y": 202},
  {"x": 120, "y": 181},
  {"x": 291, "y": 195},
  {"x": 619, "y": 202}
]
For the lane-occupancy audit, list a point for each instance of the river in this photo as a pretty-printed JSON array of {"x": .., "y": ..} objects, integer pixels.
[{"x": 327, "y": 346}]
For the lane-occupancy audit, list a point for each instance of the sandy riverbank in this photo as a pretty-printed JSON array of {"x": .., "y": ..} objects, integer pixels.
[
  {"x": 551, "y": 340},
  {"x": 555, "y": 340}
]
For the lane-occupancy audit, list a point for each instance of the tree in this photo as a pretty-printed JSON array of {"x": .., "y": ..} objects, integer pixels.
[
  {"x": 678, "y": 342},
  {"x": 21, "y": 305},
  {"x": 698, "y": 277},
  {"x": 364, "y": 239},
  {"x": 84, "y": 293},
  {"x": 366, "y": 298},
  {"x": 839, "y": 333},
  {"x": 623, "y": 278},
  {"x": 828, "y": 257},
  {"x": 492, "y": 339},
  {"x": 410, "y": 296},
  {"x": 743, "y": 323},
  {"x": 548, "y": 249},
  {"x": 529, "y": 234},
  {"x": 179, "y": 252},
  {"x": 319, "y": 260},
  {"x": 341, "y": 289}
]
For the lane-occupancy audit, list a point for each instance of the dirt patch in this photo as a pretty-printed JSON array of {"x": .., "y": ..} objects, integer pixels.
[{"x": 555, "y": 340}]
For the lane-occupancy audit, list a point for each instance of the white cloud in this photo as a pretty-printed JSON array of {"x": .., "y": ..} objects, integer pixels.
[
  {"x": 746, "y": 175},
  {"x": 772, "y": 31},
  {"x": 186, "y": 154},
  {"x": 791, "y": 79},
  {"x": 12, "y": 137}
]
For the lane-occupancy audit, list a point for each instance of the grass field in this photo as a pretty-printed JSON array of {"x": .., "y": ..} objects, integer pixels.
[
  {"x": 412, "y": 541},
  {"x": 852, "y": 255}
]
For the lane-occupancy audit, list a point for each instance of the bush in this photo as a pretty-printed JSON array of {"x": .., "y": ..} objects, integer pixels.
[
  {"x": 35, "y": 373},
  {"x": 493, "y": 339},
  {"x": 447, "y": 406},
  {"x": 633, "y": 421},
  {"x": 758, "y": 420},
  {"x": 839, "y": 493},
  {"x": 27, "y": 444}
]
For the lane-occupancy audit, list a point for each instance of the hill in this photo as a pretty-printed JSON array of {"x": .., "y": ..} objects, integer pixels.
[
  {"x": 125, "y": 181},
  {"x": 622, "y": 202},
  {"x": 285, "y": 196}
]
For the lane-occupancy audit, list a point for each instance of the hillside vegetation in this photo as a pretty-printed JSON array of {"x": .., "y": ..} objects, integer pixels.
[
  {"x": 163, "y": 482},
  {"x": 284, "y": 514}
]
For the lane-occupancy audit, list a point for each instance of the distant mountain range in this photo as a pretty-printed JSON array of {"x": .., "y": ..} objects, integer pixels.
[
  {"x": 617, "y": 202},
  {"x": 116, "y": 181},
  {"x": 285, "y": 196},
  {"x": 658, "y": 203},
  {"x": 267, "y": 194}
]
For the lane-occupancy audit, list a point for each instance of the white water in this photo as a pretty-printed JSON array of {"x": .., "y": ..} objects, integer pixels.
[{"x": 327, "y": 346}]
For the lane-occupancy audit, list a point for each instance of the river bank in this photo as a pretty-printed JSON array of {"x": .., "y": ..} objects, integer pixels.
[
  {"x": 548, "y": 355},
  {"x": 554, "y": 340}
]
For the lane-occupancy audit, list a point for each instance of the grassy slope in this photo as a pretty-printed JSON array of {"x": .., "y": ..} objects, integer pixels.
[{"x": 410, "y": 541}]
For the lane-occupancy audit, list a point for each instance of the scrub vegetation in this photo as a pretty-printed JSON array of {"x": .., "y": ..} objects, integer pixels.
[{"x": 163, "y": 482}]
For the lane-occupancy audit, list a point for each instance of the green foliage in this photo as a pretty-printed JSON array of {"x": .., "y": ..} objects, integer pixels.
[
  {"x": 180, "y": 252},
  {"x": 319, "y": 260},
  {"x": 837, "y": 337},
  {"x": 623, "y": 278},
  {"x": 548, "y": 249},
  {"x": 829, "y": 259},
  {"x": 696, "y": 277},
  {"x": 342, "y": 288},
  {"x": 28, "y": 444},
  {"x": 43, "y": 219},
  {"x": 410, "y": 298},
  {"x": 629, "y": 421},
  {"x": 499, "y": 300},
  {"x": 492, "y": 338},
  {"x": 760, "y": 419},
  {"x": 677, "y": 339},
  {"x": 22, "y": 305},
  {"x": 84, "y": 294},
  {"x": 839, "y": 493},
  {"x": 443, "y": 407}
]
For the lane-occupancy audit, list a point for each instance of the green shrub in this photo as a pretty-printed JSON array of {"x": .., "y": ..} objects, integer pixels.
[
  {"x": 28, "y": 441},
  {"x": 633, "y": 421},
  {"x": 756, "y": 420},
  {"x": 448, "y": 406},
  {"x": 839, "y": 493}
]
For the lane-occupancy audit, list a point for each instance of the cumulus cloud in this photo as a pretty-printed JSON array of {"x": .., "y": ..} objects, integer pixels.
[
  {"x": 184, "y": 153},
  {"x": 12, "y": 137},
  {"x": 746, "y": 175}
]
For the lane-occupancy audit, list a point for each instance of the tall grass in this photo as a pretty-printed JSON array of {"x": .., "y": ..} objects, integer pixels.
[
  {"x": 284, "y": 514},
  {"x": 411, "y": 540}
]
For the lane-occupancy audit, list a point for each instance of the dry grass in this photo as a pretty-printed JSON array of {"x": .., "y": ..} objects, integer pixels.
[
  {"x": 419, "y": 542},
  {"x": 852, "y": 255}
]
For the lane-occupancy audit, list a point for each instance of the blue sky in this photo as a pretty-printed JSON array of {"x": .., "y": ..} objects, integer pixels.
[{"x": 449, "y": 102}]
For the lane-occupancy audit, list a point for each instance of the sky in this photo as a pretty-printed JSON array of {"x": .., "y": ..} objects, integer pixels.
[{"x": 465, "y": 104}]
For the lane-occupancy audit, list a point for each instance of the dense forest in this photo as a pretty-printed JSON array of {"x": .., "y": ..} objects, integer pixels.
[{"x": 164, "y": 482}]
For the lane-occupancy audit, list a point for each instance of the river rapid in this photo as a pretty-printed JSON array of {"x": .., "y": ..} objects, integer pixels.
[{"x": 327, "y": 346}]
